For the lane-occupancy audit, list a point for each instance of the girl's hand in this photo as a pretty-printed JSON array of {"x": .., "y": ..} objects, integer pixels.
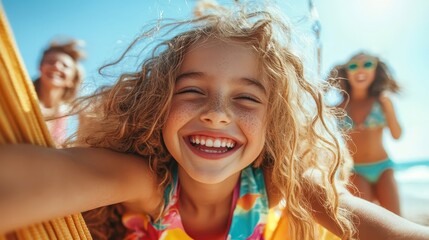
[{"x": 389, "y": 112}]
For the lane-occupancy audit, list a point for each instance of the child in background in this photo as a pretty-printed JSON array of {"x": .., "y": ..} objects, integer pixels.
[
  {"x": 368, "y": 84},
  {"x": 217, "y": 127},
  {"x": 60, "y": 77}
]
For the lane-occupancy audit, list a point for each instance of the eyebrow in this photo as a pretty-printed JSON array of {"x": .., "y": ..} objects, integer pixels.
[
  {"x": 248, "y": 81},
  {"x": 254, "y": 82},
  {"x": 189, "y": 75}
]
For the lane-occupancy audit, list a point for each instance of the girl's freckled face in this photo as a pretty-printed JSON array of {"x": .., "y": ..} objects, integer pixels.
[{"x": 221, "y": 95}]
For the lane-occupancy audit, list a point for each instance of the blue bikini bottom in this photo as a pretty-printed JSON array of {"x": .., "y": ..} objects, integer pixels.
[{"x": 373, "y": 171}]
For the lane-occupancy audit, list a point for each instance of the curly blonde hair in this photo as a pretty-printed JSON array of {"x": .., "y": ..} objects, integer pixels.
[{"x": 128, "y": 117}]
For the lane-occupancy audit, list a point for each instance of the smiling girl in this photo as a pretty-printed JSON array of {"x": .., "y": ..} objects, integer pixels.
[
  {"x": 217, "y": 127},
  {"x": 60, "y": 77},
  {"x": 368, "y": 83}
]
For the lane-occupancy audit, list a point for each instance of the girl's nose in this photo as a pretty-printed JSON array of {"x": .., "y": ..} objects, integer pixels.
[
  {"x": 58, "y": 65},
  {"x": 216, "y": 113}
]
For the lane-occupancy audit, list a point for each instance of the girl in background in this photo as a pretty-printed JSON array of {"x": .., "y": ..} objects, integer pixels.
[
  {"x": 60, "y": 77},
  {"x": 368, "y": 84}
]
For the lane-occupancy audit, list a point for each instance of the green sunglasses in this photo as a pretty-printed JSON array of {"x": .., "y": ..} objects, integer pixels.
[{"x": 368, "y": 64}]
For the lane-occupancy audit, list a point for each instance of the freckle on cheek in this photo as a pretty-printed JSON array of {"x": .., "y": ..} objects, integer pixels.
[
  {"x": 179, "y": 114},
  {"x": 251, "y": 123}
]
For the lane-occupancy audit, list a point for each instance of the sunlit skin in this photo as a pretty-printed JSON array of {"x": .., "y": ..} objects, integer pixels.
[
  {"x": 219, "y": 96},
  {"x": 366, "y": 144}
]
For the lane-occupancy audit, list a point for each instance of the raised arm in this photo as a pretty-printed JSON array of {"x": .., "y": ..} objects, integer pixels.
[
  {"x": 38, "y": 183},
  {"x": 392, "y": 120}
]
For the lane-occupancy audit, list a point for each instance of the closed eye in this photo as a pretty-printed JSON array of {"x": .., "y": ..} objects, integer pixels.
[
  {"x": 249, "y": 98},
  {"x": 190, "y": 91}
]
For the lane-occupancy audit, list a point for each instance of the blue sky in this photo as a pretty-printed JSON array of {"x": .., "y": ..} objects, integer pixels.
[{"x": 397, "y": 30}]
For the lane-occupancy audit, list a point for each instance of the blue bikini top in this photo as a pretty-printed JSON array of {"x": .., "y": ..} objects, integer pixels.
[{"x": 375, "y": 119}]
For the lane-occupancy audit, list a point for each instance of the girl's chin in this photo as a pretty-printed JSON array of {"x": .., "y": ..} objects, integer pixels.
[
  {"x": 209, "y": 178},
  {"x": 57, "y": 83},
  {"x": 208, "y": 175}
]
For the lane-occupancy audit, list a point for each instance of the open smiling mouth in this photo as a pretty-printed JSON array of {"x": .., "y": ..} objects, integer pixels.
[
  {"x": 211, "y": 145},
  {"x": 361, "y": 78}
]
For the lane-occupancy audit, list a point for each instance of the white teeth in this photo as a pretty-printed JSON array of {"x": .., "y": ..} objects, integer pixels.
[
  {"x": 361, "y": 77},
  {"x": 213, "y": 151},
  {"x": 209, "y": 143},
  {"x": 212, "y": 142},
  {"x": 217, "y": 143}
]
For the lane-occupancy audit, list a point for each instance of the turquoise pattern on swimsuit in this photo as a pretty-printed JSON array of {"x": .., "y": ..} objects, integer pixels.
[
  {"x": 249, "y": 213},
  {"x": 375, "y": 118}
]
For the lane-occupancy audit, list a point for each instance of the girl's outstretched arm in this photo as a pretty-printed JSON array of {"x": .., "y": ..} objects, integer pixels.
[
  {"x": 39, "y": 183},
  {"x": 389, "y": 111},
  {"x": 372, "y": 221}
]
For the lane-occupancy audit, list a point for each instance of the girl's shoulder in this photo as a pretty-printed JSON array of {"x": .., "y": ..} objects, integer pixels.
[{"x": 385, "y": 98}]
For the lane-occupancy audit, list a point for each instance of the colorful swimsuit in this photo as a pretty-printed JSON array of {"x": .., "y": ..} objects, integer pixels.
[
  {"x": 376, "y": 118},
  {"x": 249, "y": 213},
  {"x": 58, "y": 126}
]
